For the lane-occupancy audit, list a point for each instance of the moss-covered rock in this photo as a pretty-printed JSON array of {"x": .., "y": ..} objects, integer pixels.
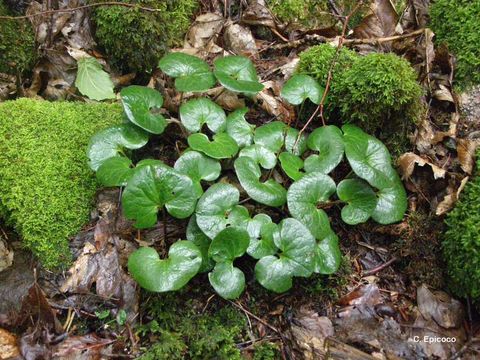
[
  {"x": 133, "y": 39},
  {"x": 373, "y": 91},
  {"x": 456, "y": 23},
  {"x": 461, "y": 242},
  {"x": 17, "y": 44},
  {"x": 46, "y": 186}
]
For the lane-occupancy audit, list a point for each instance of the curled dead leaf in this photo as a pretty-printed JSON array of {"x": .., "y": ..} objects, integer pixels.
[
  {"x": 239, "y": 40},
  {"x": 380, "y": 22},
  {"x": 205, "y": 28},
  {"x": 466, "y": 153},
  {"x": 449, "y": 200},
  {"x": 406, "y": 164},
  {"x": 8, "y": 345}
]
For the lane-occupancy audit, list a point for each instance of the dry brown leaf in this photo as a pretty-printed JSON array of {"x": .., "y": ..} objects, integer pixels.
[
  {"x": 258, "y": 14},
  {"x": 407, "y": 162},
  {"x": 443, "y": 94},
  {"x": 381, "y": 22},
  {"x": 226, "y": 98},
  {"x": 272, "y": 104},
  {"x": 205, "y": 28},
  {"x": 466, "y": 153},
  {"x": 8, "y": 345},
  {"x": 451, "y": 198},
  {"x": 6, "y": 255},
  {"x": 239, "y": 40}
]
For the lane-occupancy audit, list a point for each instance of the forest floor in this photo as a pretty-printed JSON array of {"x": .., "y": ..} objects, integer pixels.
[{"x": 389, "y": 299}]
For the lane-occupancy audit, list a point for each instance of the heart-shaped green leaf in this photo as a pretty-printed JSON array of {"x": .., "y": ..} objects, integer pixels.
[
  {"x": 214, "y": 208},
  {"x": 239, "y": 129},
  {"x": 202, "y": 241},
  {"x": 152, "y": 273},
  {"x": 115, "y": 171},
  {"x": 262, "y": 244},
  {"x": 291, "y": 164},
  {"x": 93, "y": 81},
  {"x": 297, "y": 247},
  {"x": 369, "y": 158},
  {"x": 191, "y": 73},
  {"x": 371, "y": 161},
  {"x": 196, "y": 112},
  {"x": 261, "y": 155},
  {"x": 271, "y": 135},
  {"x": 141, "y": 105},
  {"x": 305, "y": 196},
  {"x": 328, "y": 256},
  {"x": 328, "y": 141},
  {"x": 260, "y": 228},
  {"x": 268, "y": 193},
  {"x": 221, "y": 147},
  {"x": 227, "y": 280},
  {"x": 391, "y": 204},
  {"x": 150, "y": 188},
  {"x": 237, "y": 73},
  {"x": 301, "y": 87},
  {"x": 361, "y": 200},
  {"x": 229, "y": 244},
  {"x": 294, "y": 146},
  {"x": 111, "y": 142},
  {"x": 198, "y": 167}
]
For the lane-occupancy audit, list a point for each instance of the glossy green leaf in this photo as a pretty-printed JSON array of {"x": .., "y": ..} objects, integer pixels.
[
  {"x": 294, "y": 146},
  {"x": 301, "y": 87},
  {"x": 261, "y": 155},
  {"x": 115, "y": 171},
  {"x": 112, "y": 141},
  {"x": 237, "y": 73},
  {"x": 328, "y": 256},
  {"x": 328, "y": 141},
  {"x": 229, "y": 244},
  {"x": 292, "y": 165},
  {"x": 239, "y": 129},
  {"x": 155, "y": 274},
  {"x": 202, "y": 241},
  {"x": 214, "y": 208},
  {"x": 198, "y": 167},
  {"x": 360, "y": 198},
  {"x": 221, "y": 147},
  {"x": 261, "y": 245},
  {"x": 371, "y": 161},
  {"x": 271, "y": 135},
  {"x": 141, "y": 105},
  {"x": 150, "y": 188},
  {"x": 268, "y": 193},
  {"x": 191, "y": 73},
  {"x": 391, "y": 204},
  {"x": 196, "y": 112},
  {"x": 297, "y": 257},
  {"x": 227, "y": 280},
  {"x": 92, "y": 81},
  {"x": 305, "y": 195},
  {"x": 369, "y": 158}
]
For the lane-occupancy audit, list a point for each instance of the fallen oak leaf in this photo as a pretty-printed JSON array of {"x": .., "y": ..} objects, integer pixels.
[
  {"x": 451, "y": 198},
  {"x": 407, "y": 162}
]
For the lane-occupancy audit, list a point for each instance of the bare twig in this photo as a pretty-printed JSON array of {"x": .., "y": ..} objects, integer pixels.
[
  {"x": 255, "y": 317},
  {"x": 380, "y": 267},
  {"x": 54, "y": 11}
]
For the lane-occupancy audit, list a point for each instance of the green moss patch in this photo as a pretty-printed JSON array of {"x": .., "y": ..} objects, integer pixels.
[
  {"x": 461, "y": 243},
  {"x": 17, "y": 44},
  {"x": 133, "y": 39},
  {"x": 46, "y": 187},
  {"x": 456, "y": 23},
  {"x": 378, "y": 92}
]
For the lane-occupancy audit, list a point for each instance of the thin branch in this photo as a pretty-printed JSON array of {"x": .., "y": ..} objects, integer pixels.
[
  {"x": 380, "y": 267},
  {"x": 255, "y": 317},
  {"x": 109, "y": 3}
]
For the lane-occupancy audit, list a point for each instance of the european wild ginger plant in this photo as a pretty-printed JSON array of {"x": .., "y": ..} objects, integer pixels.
[{"x": 220, "y": 228}]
